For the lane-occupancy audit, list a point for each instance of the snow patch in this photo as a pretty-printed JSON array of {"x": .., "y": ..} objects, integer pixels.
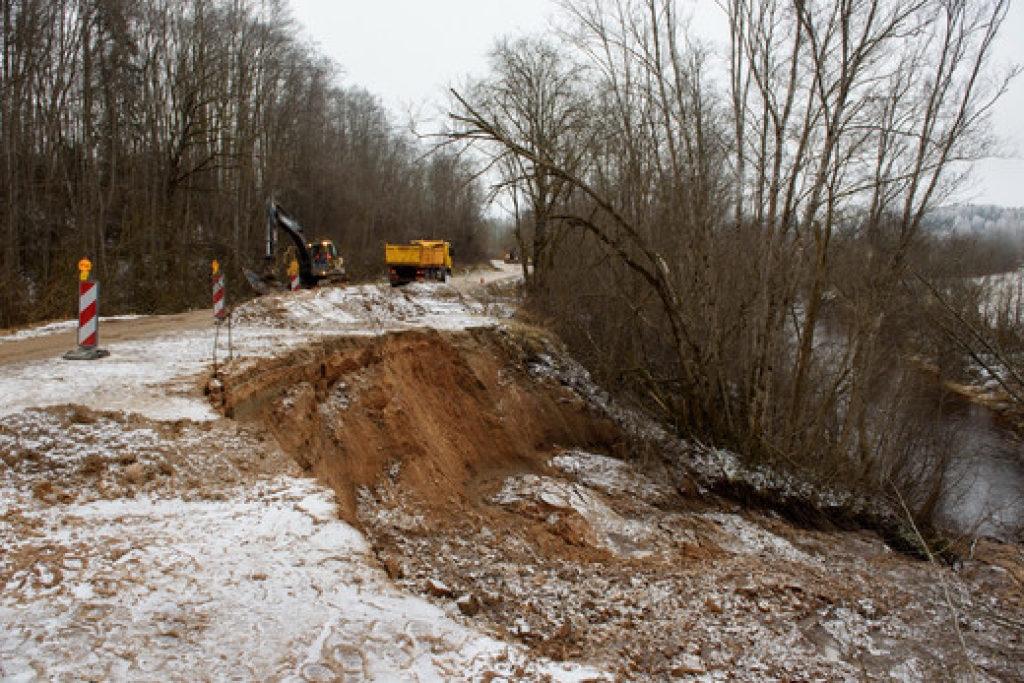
[
  {"x": 265, "y": 585},
  {"x": 751, "y": 538},
  {"x": 611, "y": 531},
  {"x": 609, "y": 475}
]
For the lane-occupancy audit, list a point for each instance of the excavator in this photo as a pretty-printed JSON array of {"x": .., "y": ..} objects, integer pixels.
[{"x": 318, "y": 260}]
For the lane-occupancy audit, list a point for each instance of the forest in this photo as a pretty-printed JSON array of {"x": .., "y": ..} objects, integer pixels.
[
  {"x": 147, "y": 135},
  {"x": 743, "y": 240}
]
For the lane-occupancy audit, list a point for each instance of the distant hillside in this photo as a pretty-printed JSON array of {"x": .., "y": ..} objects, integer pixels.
[{"x": 978, "y": 219}]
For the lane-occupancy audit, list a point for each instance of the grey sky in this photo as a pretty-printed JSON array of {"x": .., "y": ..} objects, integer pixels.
[{"x": 409, "y": 51}]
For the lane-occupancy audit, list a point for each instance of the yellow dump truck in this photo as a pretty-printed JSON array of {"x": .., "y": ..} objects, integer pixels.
[{"x": 418, "y": 261}]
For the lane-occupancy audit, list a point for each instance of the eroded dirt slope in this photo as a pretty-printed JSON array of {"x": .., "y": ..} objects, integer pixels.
[
  {"x": 487, "y": 476},
  {"x": 446, "y": 409}
]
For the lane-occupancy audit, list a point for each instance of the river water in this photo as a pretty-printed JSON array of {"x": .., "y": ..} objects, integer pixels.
[{"x": 985, "y": 489}]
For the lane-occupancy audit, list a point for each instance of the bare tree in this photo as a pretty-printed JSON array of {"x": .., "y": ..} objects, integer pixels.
[
  {"x": 774, "y": 226},
  {"x": 534, "y": 94},
  {"x": 147, "y": 134}
]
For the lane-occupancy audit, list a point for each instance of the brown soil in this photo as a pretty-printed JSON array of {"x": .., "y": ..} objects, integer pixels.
[
  {"x": 422, "y": 433},
  {"x": 418, "y": 431},
  {"x": 449, "y": 410}
]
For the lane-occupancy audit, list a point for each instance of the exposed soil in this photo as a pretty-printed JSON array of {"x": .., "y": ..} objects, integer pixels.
[
  {"x": 195, "y": 460},
  {"x": 486, "y": 477},
  {"x": 488, "y": 474},
  {"x": 449, "y": 410}
]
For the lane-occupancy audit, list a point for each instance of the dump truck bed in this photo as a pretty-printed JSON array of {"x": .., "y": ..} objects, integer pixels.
[
  {"x": 418, "y": 261},
  {"x": 420, "y": 253},
  {"x": 402, "y": 254}
]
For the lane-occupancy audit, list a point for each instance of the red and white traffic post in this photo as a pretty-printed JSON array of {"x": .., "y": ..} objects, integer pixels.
[
  {"x": 88, "y": 316},
  {"x": 220, "y": 313},
  {"x": 219, "y": 294}
]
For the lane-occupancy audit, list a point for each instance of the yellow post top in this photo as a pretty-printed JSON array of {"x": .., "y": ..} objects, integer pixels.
[
  {"x": 216, "y": 267},
  {"x": 84, "y": 266},
  {"x": 293, "y": 268}
]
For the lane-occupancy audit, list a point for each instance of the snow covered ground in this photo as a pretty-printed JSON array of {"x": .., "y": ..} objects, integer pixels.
[
  {"x": 156, "y": 376},
  {"x": 265, "y": 584},
  {"x": 142, "y": 537}
]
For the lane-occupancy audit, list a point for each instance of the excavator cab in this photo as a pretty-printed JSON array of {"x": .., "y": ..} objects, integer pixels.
[
  {"x": 324, "y": 257},
  {"x": 323, "y": 249},
  {"x": 325, "y": 262}
]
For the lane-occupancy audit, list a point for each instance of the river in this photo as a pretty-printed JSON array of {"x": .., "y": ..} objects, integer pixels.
[{"x": 985, "y": 488}]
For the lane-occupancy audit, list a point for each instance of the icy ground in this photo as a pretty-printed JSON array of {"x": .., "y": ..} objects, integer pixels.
[
  {"x": 144, "y": 538},
  {"x": 155, "y": 377}
]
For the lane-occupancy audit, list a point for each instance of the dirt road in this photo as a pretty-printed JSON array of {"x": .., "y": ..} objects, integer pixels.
[
  {"x": 114, "y": 330},
  {"x": 498, "y": 272}
]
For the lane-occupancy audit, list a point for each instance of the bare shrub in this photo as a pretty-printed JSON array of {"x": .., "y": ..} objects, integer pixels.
[{"x": 749, "y": 260}]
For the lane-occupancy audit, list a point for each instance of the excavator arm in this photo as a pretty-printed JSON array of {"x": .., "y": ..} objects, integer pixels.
[{"x": 277, "y": 220}]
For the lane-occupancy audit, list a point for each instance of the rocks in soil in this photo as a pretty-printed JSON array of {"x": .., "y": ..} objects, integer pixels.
[
  {"x": 137, "y": 473},
  {"x": 469, "y": 605},
  {"x": 438, "y": 589},
  {"x": 393, "y": 568},
  {"x": 689, "y": 665}
]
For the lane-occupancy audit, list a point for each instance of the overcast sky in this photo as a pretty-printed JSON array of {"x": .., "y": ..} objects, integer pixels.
[{"x": 409, "y": 51}]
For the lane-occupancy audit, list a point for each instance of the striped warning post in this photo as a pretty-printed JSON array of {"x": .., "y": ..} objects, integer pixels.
[
  {"x": 88, "y": 317},
  {"x": 220, "y": 312},
  {"x": 219, "y": 308},
  {"x": 293, "y": 283},
  {"x": 88, "y": 320}
]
